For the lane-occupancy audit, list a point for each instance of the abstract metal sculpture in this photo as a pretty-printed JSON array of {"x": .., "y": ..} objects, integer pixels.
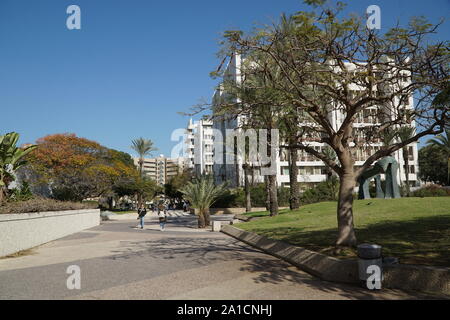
[{"x": 389, "y": 167}]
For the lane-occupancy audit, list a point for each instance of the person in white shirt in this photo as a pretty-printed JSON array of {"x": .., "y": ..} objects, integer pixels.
[{"x": 162, "y": 219}]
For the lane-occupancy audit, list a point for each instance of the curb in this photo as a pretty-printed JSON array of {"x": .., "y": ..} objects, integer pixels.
[
  {"x": 435, "y": 280},
  {"x": 242, "y": 217},
  {"x": 320, "y": 265}
]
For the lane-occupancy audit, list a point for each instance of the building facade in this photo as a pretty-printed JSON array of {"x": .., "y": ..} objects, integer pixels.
[
  {"x": 199, "y": 145},
  {"x": 161, "y": 169}
]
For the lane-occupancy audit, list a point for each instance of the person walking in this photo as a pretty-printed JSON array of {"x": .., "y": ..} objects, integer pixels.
[
  {"x": 162, "y": 219},
  {"x": 141, "y": 214}
]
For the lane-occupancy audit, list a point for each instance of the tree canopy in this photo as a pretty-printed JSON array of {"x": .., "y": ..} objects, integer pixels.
[{"x": 75, "y": 168}]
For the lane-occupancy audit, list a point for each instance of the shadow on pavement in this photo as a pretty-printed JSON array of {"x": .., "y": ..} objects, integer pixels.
[{"x": 266, "y": 269}]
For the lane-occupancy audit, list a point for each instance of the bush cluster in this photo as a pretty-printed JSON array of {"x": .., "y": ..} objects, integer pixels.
[
  {"x": 235, "y": 198},
  {"x": 43, "y": 205},
  {"x": 323, "y": 191},
  {"x": 432, "y": 190}
]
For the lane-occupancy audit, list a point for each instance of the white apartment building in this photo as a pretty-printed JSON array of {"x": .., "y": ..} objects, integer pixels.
[
  {"x": 161, "y": 169},
  {"x": 311, "y": 169},
  {"x": 199, "y": 146}
]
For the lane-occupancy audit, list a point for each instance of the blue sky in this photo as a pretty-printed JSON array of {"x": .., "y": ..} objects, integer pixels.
[{"x": 134, "y": 64}]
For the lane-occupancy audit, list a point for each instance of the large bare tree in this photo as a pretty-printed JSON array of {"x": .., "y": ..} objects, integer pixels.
[{"x": 349, "y": 84}]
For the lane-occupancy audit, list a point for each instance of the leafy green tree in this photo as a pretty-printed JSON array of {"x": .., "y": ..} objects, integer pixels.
[
  {"x": 11, "y": 159},
  {"x": 173, "y": 186},
  {"x": 75, "y": 168},
  {"x": 316, "y": 67},
  {"x": 202, "y": 193},
  {"x": 433, "y": 164},
  {"x": 442, "y": 142}
]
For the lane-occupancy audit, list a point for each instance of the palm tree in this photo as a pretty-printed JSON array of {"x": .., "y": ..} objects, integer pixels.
[
  {"x": 11, "y": 159},
  {"x": 405, "y": 133},
  {"x": 443, "y": 143},
  {"x": 388, "y": 136},
  {"x": 143, "y": 147},
  {"x": 202, "y": 193}
]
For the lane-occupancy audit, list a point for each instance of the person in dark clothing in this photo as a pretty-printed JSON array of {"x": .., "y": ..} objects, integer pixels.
[{"x": 141, "y": 214}]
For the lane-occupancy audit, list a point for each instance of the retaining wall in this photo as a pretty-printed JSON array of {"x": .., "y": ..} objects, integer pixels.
[{"x": 26, "y": 230}]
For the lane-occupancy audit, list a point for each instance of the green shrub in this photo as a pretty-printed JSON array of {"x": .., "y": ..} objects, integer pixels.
[
  {"x": 21, "y": 194},
  {"x": 232, "y": 198},
  {"x": 258, "y": 195},
  {"x": 235, "y": 197},
  {"x": 42, "y": 205},
  {"x": 324, "y": 191},
  {"x": 432, "y": 190},
  {"x": 283, "y": 197}
]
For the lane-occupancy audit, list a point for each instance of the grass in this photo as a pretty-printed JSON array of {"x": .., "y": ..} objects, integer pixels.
[{"x": 416, "y": 230}]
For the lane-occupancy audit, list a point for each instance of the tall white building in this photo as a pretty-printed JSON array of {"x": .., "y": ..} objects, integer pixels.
[
  {"x": 199, "y": 146},
  {"x": 311, "y": 169}
]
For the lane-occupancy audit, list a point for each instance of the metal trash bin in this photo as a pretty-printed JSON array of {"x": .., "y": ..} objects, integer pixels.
[{"x": 370, "y": 266}]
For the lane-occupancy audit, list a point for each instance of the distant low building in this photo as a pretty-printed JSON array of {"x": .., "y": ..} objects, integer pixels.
[{"x": 161, "y": 169}]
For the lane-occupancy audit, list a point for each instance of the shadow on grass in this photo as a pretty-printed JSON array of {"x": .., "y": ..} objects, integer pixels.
[{"x": 419, "y": 241}]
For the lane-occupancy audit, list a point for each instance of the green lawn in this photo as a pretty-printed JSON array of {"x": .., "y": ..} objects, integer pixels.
[{"x": 416, "y": 230}]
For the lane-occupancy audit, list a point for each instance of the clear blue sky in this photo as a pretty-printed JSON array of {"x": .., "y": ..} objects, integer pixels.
[{"x": 133, "y": 65}]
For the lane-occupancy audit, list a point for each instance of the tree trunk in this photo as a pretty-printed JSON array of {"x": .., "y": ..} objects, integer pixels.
[
  {"x": 294, "y": 199},
  {"x": 138, "y": 200},
  {"x": 273, "y": 202},
  {"x": 346, "y": 233},
  {"x": 266, "y": 178},
  {"x": 448, "y": 171},
  {"x": 110, "y": 203},
  {"x": 207, "y": 217},
  {"x": 201, "y": 219},
  {"x": 272, "y": 178},
  {"x": 248, "y": 200},
  {"x": 406, "y": 163},
  {"x": 141, "y": 165},
  {"x": 1, "y": 195}
]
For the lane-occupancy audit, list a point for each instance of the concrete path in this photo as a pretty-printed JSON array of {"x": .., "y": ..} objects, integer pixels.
[{"x": 119, "y": 261}]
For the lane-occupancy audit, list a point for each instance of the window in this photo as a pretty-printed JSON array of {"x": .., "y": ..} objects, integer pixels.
[{"x": 410, "y": 153}]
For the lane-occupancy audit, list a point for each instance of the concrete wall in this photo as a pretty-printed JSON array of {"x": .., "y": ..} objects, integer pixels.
[{"x": 26, "y": 230}]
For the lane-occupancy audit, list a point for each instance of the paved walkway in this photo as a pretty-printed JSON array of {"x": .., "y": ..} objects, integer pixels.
[{"x": 119, "y": 261}]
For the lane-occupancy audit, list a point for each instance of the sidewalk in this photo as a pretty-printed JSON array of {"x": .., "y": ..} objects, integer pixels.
[{"x": 118, "y": 261}]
